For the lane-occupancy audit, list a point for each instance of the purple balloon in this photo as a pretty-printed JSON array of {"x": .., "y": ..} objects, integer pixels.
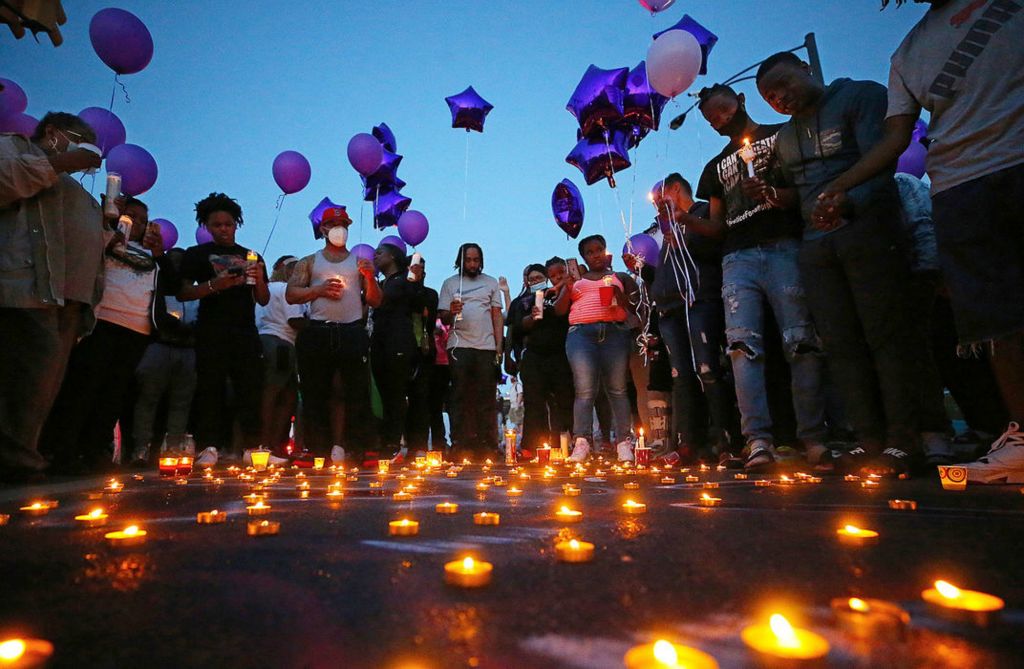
[
  {"x": 136, "y": 167},
  {"x": 386, "y": 138},
  {"x": 655, "y": 6},
  {"x": 317, "y": 214},
  {"x": 19, "y": 122},
  {"x": 110, "y": 131},
  {"x": 413, "y": 227},
  {"x": 642, "y": 105},
  {"x": 365, "y": 153},
  {"x": 567, "y": 206},
  {"x": 371, "y": 193},
  {"x": 291, "y": 171},
  {"x": 362, "y": 252},
  {"x": 920, "y": 133},
  {"x": 644, "y": 247},
  {"x": 388, "y": 208},
  {"x": 395, "y": 240},
  {"x": 12, "y": 98},
  {"x": 168, "y": 232},
  {"x": 468, "y": 110},
  {"x": 384, "y": 179},
  {"x": 598, "y": 160},
  {"x": 121, "y": 40},
  {"x": 913, "y": 160},
  {"x": 597, "y": 101},
  {"x": 203, "y": 235},
  {"x": 705, "y": 38}
]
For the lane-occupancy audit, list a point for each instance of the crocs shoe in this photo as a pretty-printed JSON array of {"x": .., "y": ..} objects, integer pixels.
[{"x": 1004, "y": 462}]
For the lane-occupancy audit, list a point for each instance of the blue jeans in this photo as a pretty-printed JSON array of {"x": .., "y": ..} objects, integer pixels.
[
  {"x": 599, "y": 356},
  {"x": 751, "y": 277}
]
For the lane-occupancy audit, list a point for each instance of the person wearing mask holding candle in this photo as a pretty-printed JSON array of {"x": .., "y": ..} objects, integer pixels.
[
  {"x": 470, "y": 303},
  {"x": 227, "y": 341},
  {"x": 687, "y": 292},
  {"x": 335, "y": 284},
  {"x": 393, "y": 345},
  {"x": 852, "y": 264},
  {"x": 759, "y": 266},
  {"x": 963, "y": 63},
  {"x": 598, "y": 344},
  {"x": 51, "y": 276}
]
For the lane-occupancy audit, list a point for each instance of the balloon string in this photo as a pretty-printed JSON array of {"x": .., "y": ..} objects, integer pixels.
[
  {"x": 465, "y": 186},
  {"x": 280, "y": 203},
  {"x": 362, "y": 211},
  {"x": 618, "y": 200},
  {"x": 376, "y": 205},
  {"x": 118, "y": 82}
]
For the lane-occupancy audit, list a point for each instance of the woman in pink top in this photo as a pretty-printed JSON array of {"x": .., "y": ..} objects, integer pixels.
[{"x": 599, "y": 305}]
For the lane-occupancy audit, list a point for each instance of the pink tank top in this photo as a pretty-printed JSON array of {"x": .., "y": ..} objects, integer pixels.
[{"x": 586, "y": 302}]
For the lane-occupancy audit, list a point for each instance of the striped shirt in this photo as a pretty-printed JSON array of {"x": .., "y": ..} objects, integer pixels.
[{"x": 586, "y": 302}]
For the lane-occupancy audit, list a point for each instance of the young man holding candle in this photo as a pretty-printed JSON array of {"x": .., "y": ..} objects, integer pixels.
[
  {"x": 964, "y": 64},
  {"x": 470, "y": 303},
  {"x": 227, "y": 341},
  {"x": 852, "y": 265},
  {"x": 335, "y": 284}
]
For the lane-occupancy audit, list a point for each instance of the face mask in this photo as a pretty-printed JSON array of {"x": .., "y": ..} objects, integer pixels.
[
  {"x": 534, "y": 287},
  {"x": 735, "y": 125},
  {"x": 338, "y": 235}
]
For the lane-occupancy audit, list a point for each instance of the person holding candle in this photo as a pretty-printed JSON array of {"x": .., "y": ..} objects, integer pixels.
[
  {"x": 227, "y": 341},
  {"x": 424, "y": 320},
  {"x": 597, "y": 344},
  {"x": 852, "y": 264},
  {"x": 335, "y": 284},
  {"x": 51, "y": 277}
]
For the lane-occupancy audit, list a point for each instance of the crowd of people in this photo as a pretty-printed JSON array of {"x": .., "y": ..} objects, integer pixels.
[{"x": 806, "y": 302}]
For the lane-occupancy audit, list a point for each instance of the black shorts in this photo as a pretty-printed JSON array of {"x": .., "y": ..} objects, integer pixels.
[{"x": 980, "y": 230}]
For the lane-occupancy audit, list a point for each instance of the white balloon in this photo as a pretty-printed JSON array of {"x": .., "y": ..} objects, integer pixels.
[{"x": 673, "y": 62}]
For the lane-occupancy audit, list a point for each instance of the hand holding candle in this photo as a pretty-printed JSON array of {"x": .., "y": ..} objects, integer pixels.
[{"x": 747, "y": 155}]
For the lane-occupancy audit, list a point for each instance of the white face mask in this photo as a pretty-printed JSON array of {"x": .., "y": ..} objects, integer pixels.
[
  {"x": 338, "y": 235},
  {"x": 543, "y": 285}
]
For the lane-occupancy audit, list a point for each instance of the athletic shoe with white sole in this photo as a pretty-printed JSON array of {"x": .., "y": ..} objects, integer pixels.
[
  {"x": 580, "y": 451},
  {"x": 207, "y": 457},
  {"x": 1004, "y": 462},
  {"x": 337, "y": 455}
]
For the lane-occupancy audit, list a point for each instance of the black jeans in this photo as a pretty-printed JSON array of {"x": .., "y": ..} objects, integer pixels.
[
  {"x": 100, "y": 371},
  {"x": 417, "y": 420},
  {"x": 224, "y": 355},
  {"x": 325, "y": 350},
  {"x": 440, "y": 401},
  {"x": 474, "y": 414},
  {"x": 856, "y": 283},
  {"x": 392, "y": 371},
  {"x": 547, "y": 397}
]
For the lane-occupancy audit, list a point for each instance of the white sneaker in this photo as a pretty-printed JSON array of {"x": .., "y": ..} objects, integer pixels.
[
  {"x": 581, "y": 451},
  {"x": 1004, "y": 462},
  {"x": 625, "y": 451},
  {"x": 207, "y": 457},
  {"x": 337, "y": 455}
]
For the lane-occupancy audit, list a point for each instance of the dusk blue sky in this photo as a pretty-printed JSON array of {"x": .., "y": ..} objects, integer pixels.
[{"x": 234, "y": 83}]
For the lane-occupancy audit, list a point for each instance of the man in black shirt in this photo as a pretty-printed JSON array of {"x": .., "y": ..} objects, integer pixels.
[
  {"x": 218, "y": 274},
  {"x": 760, "y": 244}
]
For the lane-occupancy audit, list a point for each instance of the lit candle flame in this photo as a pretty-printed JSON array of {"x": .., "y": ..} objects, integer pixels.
[
  {"x": 665, "y": 653},
  {"x": 96, "y": 513},
  {"x": 565, "y": 509},
  {"x": 783, "y": 631},
  {"x": 573, "y": 544},
  {"x": 706, "y": 496},
  {"x": 947, "y": 590},
  {"x": 131, "y": 530},
  {"x": 746, "y": 141},
  {"x": 642, "y": 434},
  {"x": 858, "y": 604},
  {"x": 468, "y": 564},
  {"x": 12, "y": 650},
  {"x": 852, "y": 529}
]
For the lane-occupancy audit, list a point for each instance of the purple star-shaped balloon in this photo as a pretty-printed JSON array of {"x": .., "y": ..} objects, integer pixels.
[
  {"x": 388, "y": 208},
  {"x": 705, "y": 37},
  {"x": 597, "y": 101},
  {"x": 385, "y": 178},
  {"x": 317, "y": 214},
  {"x": 468, "y": 110},
  {"x": 386, "y": 138},
  {"x": 642, "y": 105},
  {"x": 600, "y": 159}
]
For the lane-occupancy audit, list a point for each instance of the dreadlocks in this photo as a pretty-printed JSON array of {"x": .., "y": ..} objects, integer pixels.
[
  {"x": 885, "y": 3},
  {"x": 217, "y": 202}
]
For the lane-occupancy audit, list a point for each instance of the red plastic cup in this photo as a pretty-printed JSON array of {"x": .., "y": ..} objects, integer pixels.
[{"x": 607, "y": 294}]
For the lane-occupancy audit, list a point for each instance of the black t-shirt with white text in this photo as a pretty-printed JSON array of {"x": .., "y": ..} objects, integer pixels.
[
  {"x": 748, "y": 223},
  {"x": 231, "y": 308}
]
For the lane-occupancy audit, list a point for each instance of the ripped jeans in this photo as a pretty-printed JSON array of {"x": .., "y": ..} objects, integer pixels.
[{"x": 750, "y": 277}]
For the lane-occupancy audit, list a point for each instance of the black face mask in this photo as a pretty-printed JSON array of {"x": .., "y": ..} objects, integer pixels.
[{"x": 735, "y": 125}]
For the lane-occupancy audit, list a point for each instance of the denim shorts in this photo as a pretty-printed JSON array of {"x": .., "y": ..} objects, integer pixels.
[{"x": 980, "y": 230}]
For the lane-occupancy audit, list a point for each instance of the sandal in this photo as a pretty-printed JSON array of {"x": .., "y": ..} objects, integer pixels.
[
  {"x": 848, "y": 462},
  {"x": 892, "y": 462}
]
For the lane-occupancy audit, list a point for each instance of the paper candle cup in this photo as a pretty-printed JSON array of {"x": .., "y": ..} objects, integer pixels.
[{"x": 953, "y": 477}]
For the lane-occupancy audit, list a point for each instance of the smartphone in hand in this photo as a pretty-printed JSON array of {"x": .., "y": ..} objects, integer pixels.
[{"x": 573, "y": 268}]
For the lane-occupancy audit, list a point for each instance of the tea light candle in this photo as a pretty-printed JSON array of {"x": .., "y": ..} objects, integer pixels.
[
  {"x": 214, "y": 517},
  {"x": 634, "y": 508},
  {"x": 710, "y": 484},
  {"x": 374, "y": 485},
  {"x": 514, "y": 492},
  {"x": 569, "y": 490},
  {"x": 903, "y": 504},
  {"x": 447, "y": 508},
  {"x": 451, "y": 473},
  {"x": 113, "y": 487},
  {"x": 762, "y": 483},
  {"x": 94, "y": 518},
  {"x": 181, "y": 481},
  {"x": 4, "y": 519},
  {"x": 500, "y": 482},
  {"x": 851, "y": 535},
  {"x": 873, "y": 619},
  {"x": 129, "y": 536},
  {"x": 168, "y": 466},
  {"x": 690, "y": 478},
  {"x": 486, "y": 518},
  {"x": 254, "y": 497},
  {"x": 468, "y": 573},
  {"x": 740, "y": 476},
  {"x": 574, "y": 551},
  {"x": 303, "y": 494},
  {"x": 869, "y": 484},
  {"x": 778, "y": 640},
  {"x": 709, "y": 501},
  {"x": 262, "y": 528},
  {"x": 785, "y": 480},
  {"x": 302, "y": 486},
  {"x": 567, "y": 515},
  {"x": 434, "y": 459},
  {"x": 631, "y": 485},
  {"x": 218, "y": 482},
  {"x": 666, "y": 655},
  {"x": 334, "y": 497},
  {"x": 851, "y": 478},
  {"x": 403, "y": 528},
  {"x": 668, "y": 480},
  {"x": 184, "y": 467},
  {"x": 949, "y": 601},
  {"x": 25, "y": 653},
  {"x": 483, "y": 487},
  {"x": 402, "y": 496},
  {"x": 36, "y": 509},
  {"x": 812, "y": 479},
  {"x": 260, "y": 508}
]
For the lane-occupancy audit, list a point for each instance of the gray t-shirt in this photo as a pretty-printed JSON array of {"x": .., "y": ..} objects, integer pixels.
[
  {"x": 475, "y": 329},
  {"x": 964, "y": 63},
  {"x": 349, "y": 308}
]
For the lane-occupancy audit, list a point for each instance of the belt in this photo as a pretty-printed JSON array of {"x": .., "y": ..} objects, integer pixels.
[{"x": 337, "y": 324}]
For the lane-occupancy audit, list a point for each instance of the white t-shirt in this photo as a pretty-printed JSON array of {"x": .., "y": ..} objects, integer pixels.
[
  {"x": 475, "y": 329},
  {"x": 964, "y": 63},
  {"x": 128, "y": 289},
  {"x": 273, "y": 318}
]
